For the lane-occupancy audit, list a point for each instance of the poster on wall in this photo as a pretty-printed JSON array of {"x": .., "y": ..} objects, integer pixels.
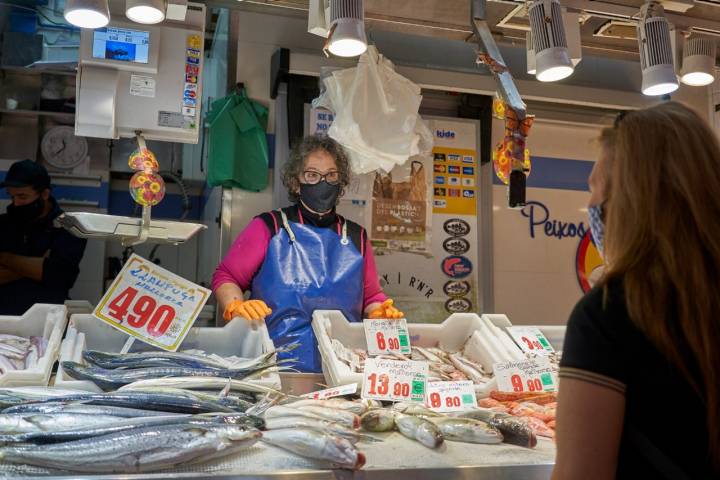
[{"x": 401, "y": 217}]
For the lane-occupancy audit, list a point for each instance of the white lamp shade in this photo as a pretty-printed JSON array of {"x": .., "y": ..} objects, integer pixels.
[
  {"x": 659, "y": 80},
  {"x": 348, "y": 39},
  {"x": 698, "y": 66},
  {"x": 553, "y": 64},
  {"x": 145, "y": 11},
  {"x": 87, "y": 13}
]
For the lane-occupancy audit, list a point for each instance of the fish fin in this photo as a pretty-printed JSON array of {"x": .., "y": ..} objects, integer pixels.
[
  {"x": 369, "y": 438},
  {"x": 225, "y": 391}
]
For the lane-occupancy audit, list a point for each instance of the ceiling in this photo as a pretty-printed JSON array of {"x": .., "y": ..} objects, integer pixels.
[{"x": 607, "y": 27}]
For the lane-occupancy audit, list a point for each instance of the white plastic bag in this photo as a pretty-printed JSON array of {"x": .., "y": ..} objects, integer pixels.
[
  {"x": 318, "y": 17},
  {"x": 376, "y": 114}
]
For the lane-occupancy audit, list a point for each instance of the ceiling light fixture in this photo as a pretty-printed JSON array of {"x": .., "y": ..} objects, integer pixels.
[
  {"x": 145, "y": 11},
  {"x": 656, "y": 57},
  {"x": 552, "y": 59},
  {"x": 698, "y": 65},
  {"x": 87, "y": 13},
  {"x": 347, "y": 28}
]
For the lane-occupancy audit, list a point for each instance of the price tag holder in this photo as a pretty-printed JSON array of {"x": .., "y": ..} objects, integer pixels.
[
  {"x": 531, "y": 340},
  {"x": 532, "y": 375},
  {"x": 387, "y": 336},
  {"x": 339, "y": 391},
  {"x": 394, "y": 380},
  {"x": 451, "y": 396},
  {"x": 151, "y": 304}
]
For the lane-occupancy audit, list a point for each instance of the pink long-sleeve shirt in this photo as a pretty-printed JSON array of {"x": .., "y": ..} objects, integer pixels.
[{"x": 247, "y": 254}]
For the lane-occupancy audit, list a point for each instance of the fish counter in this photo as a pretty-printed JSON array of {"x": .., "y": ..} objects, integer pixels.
[{"x": 195, "y": 413}]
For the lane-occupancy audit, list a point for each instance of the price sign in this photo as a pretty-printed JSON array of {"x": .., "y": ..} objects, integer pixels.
[
  {"x": 531, "y": 340},
  {"x": 394, "y": 380},
  {"x": 451, "y": 396},
  {"x": 348, "y": 389},
  {"x": 532, "y": 375},
  {"x": 387, "y": 336},
  {"x": 151, "y": 304}
]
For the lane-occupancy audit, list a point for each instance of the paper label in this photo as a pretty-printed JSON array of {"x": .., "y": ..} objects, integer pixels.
[
  {"x": 451, "y": 396},
  {"x": 348, "y": 389},
  {"x": 532, "y": 375},
  {"x": 151, "y": 304},
  {"x": 142, "y": 86},
  {"x": 394, "y": 380},
  {"x": 175, "y": 120},
  {"x": 387, "y": 336},
  {"x": 531, "y": 340}
]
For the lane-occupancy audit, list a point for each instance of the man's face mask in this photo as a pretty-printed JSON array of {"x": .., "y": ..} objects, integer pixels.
[{"x": 28, "y": 212}]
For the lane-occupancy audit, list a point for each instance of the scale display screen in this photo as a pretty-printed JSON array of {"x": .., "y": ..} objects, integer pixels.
[{"x": 121, "y": 44}]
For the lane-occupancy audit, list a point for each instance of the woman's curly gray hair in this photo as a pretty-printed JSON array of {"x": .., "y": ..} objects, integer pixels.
[{"x": 295, "y": 165}]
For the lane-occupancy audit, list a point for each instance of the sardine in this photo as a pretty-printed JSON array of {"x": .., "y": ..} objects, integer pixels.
[
  {"x": 420, "y": 429},
  {"x": 313, "y": 444},
  {"x": 137, "y": 450},
  {"x": 113, "y": 379},
  {"x": 429, "y": 356},
  {"x": 467, "y": 430},
  {"x": 378, "y": 420},
  {"x": 470, "y": 372}
]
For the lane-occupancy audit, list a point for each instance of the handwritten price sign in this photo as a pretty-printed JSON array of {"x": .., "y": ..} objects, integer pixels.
[
  {"x": 533, "y": 375},
  {"x": 530, "y": 340},
  {"x": 394, "y": 380},
  {"x": 387, "y": 336},
  {"x": 451, "y": 396},
  {"x": 151, "y": 304}
]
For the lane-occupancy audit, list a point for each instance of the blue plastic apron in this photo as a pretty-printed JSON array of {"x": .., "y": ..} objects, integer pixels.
[{"x": 308, "y": 268}]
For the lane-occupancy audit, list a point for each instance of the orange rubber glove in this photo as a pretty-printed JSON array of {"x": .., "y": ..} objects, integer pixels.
[
  {"x": 386, "y": 310},
  {"x": 248, "y": 309}
]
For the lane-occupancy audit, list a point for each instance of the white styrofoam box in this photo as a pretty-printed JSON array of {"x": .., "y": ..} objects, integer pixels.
[
  {"x": 86, "y": 332},
  {"x": 478, "y": 334},
  {"x": 555, "y": 335},
  {"x": 41, "y": 320}
]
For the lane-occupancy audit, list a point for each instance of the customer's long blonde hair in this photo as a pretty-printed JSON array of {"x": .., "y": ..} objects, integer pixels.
[{"x": 663, "y": 239}]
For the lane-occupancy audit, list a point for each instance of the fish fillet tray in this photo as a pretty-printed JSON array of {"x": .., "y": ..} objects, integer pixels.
[
  {"x": 41, "y": 320},
  {"x": 86, "y": 332}
]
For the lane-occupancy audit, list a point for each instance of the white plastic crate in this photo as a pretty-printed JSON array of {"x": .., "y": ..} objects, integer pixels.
[
  {"x": 41, "y": 320},
  {"x": 86, "y": 332},
  {"x": 487, "y": 342}
]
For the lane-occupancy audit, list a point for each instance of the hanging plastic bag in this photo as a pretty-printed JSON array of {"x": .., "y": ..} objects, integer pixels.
[
  {"x": 318, "y": 15},
  {"x": 237, "y": 145},
  {"x": 376, "y": 114}
]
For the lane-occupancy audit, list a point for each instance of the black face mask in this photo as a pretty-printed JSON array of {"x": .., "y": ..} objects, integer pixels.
[
  {"x": 320, "y": 197},
  {"x": 26, "y": 213}
]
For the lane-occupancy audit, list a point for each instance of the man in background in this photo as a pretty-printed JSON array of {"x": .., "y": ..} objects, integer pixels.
[{"x": 38, "y": 261}]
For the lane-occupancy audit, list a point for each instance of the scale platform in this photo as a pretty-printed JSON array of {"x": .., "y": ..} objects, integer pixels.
[{"x": 126, "y": 229}]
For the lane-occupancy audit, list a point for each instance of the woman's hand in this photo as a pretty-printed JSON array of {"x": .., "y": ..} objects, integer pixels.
[
  {"x": 386, "y": 310},
  {"x": 248, "y": 309}
]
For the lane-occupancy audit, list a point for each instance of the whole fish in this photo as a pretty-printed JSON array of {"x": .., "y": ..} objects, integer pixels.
[
  {"x": 342, "y": 417},
  {"x": 313, "y": 444},
  {"x": 33, "y": 422},
  {"x": 14, "y": 340},
  {"x": 113, "y": 379},
  {"x": 515, "y": 431},
  {"x": 472, "y": 373},
  {"x": 353, "y": 436},
  {"x": 137, "y": 450},
  {"x": 410, "y": 408},
  {"x": 13, "y": 352},
  {"x": 378, "y": 420},
  {"x": 148, "y": 401},
  {"x": 81, "y": 409},
  {"x": 467, "y": 430},
  {"x": 123, "y": 424},
  {"x": 346, "y": 419},
  {"x": 202, "y": 383},
  {"x": 358, "y": 408},
  {"x": 419, "y": 429}
]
